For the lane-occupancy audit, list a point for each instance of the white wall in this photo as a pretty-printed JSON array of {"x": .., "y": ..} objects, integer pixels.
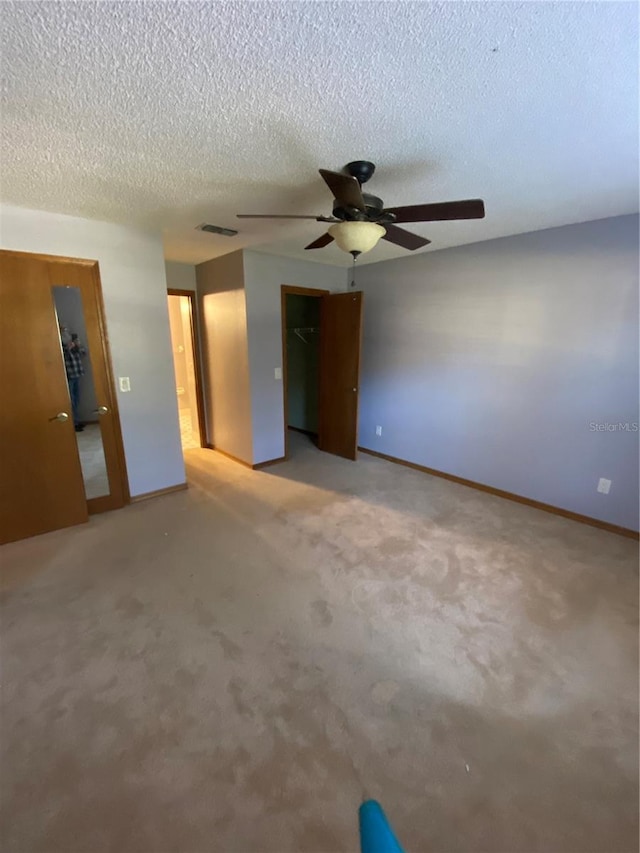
[
  {"x": 134, "y": 289},
  {"x": 491, "y": 362},
  {"x": 223, "y": 329},
  {"x": 263, "y": 276},
  {"x": 180, "y": 276}
]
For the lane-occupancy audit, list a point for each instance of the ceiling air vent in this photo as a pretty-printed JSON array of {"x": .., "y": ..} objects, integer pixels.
[{"x": 216, "y": 229}]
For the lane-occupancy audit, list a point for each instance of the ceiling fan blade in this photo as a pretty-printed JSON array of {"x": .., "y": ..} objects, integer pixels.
[
  {"x": 404, "y": 238},
  {"x": 472, "y": 208},
  {"x": 284, "y": 216},
  {"x": 345, "y": 189},
  {"x": 321, "y": 242}
]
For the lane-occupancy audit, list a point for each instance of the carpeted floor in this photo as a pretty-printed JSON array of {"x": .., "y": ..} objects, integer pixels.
[{"x": 233, "y": 667}]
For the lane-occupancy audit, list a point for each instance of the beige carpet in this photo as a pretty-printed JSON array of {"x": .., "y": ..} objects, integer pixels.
[{"x": 231, "y": 668}]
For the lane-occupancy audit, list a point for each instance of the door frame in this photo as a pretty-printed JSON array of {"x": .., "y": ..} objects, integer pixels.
[
  {"x": 103, "y": 503},
  {"x": 285, "y": 290},
  {"x": 195, "y": 346}
]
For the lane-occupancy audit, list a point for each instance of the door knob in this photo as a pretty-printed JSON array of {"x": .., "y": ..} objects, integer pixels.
[
  {"x": 61, "y": 416},
  {"x": 101, "y": 410}
]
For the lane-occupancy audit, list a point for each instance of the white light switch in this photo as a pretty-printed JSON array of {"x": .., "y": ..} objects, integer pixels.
[
  {"x": 125, "y": 385},
  {"x": 277, "y": 372},
  {"x": 604, "y": 486}
]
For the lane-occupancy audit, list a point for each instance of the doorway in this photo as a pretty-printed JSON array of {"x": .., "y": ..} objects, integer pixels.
[
  {"x": 321, "y": 338},
  {"x": 61, "y": 451},
  {"x": 302, "y": 382},
  {"x": 186, "y": 367}
]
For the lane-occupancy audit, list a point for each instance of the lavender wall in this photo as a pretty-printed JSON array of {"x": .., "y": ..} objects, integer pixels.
[{"x": 490, "y": 361}]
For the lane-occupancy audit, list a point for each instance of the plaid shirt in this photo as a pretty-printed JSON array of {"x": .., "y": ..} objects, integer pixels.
[{"x": 73, "y": 362}]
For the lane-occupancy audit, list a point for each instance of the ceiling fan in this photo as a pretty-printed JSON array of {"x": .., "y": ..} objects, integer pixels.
[{"x": 359, "y": 219}]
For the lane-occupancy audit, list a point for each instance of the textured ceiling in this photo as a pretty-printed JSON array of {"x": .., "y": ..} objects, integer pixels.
[{"x": 167, "y": 115}]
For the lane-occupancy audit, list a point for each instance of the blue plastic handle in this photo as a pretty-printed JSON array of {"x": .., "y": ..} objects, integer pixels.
[{"x": 376, "y": 836}]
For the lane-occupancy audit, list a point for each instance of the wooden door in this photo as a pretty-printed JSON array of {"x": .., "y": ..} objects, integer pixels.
[
  {"x": 41, "y": 486},
  {"x": 51, "y": 475},
  {"x": 340, "y": 338}
]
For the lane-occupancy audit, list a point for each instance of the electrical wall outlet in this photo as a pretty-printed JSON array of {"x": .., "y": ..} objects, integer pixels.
[
  {"x": 125, "y": 384},
  {"x": 604, "y": 486},
  {"x": 277, "y": 373},
  {"x": 378, "y": 430}
]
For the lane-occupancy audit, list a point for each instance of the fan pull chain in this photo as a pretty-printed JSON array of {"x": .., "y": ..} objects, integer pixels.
[{"x": 353, "y": 268}]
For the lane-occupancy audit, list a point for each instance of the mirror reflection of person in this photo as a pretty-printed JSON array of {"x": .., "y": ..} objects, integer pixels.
[{"x": 73, "y": 352}]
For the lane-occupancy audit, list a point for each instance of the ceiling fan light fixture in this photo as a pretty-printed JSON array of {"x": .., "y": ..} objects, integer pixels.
[
  {"x": 356, "y": 237},
  {"x": 361, "y": 219}
]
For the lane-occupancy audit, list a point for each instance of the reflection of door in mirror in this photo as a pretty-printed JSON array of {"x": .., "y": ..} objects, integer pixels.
[
  {"x": 185, "y": 366},
  {"x": 82, "y": 393}
]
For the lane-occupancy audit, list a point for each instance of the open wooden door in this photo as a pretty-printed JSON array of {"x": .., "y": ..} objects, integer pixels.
[
  {"x": 340, "y": 337},
  {"x": 61, "y": 455},
  {"x": 41, "y": 485}
]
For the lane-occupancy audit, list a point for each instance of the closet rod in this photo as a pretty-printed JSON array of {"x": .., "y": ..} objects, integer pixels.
[{"x": 300, "y": 331}]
